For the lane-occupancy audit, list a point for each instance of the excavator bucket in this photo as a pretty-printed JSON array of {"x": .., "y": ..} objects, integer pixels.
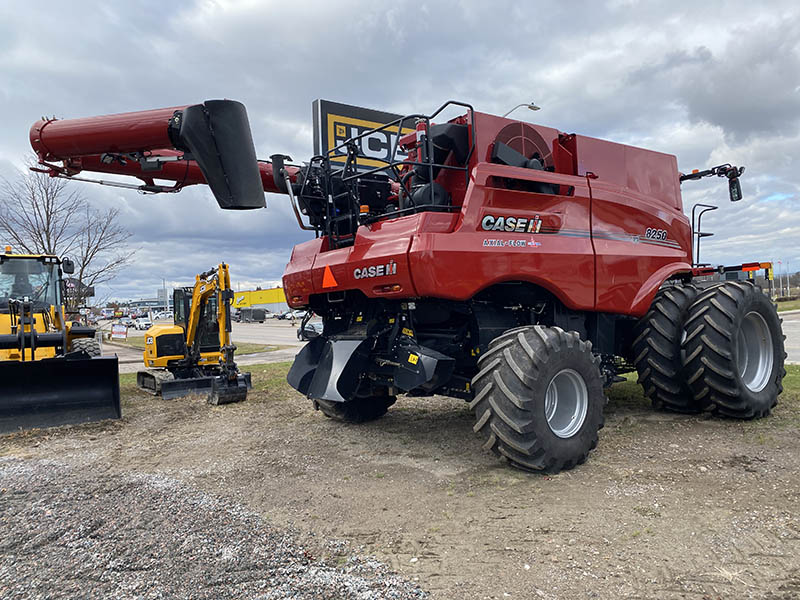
[
  {"x": 58, "y": 391},
  {"x": 227, "y": 391}
]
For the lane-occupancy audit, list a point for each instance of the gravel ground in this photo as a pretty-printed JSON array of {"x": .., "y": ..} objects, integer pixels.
[
  {"x": 182, "y": 499},
  {"x": 69, "y": 534}
]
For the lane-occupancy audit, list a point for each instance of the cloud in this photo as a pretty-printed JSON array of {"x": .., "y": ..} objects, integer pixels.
[{"x": 711, "y": 82}]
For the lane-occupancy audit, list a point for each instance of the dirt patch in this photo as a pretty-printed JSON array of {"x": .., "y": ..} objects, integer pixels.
[{"x": 668, "y": 506}]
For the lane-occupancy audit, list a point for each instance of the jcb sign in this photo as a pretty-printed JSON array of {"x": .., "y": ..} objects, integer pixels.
[{"x": 335, "y": 123}]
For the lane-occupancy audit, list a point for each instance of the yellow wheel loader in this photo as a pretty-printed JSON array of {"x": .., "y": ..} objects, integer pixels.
[
  {"x": 51, "y": 369},
  {"x": 195, "y": 355}
]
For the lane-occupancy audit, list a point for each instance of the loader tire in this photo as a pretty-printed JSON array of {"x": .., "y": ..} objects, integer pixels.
[
  {"x": 734, "y": 351},
  {"x": 89, "y": 345},
  {"x": 359, "y": 410},
  {"x": 539, "y": 398},
  {"x": 657, "y": 350}
]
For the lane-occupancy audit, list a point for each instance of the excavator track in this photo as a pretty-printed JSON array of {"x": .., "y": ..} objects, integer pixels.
[{"x": 150, "y": 380}]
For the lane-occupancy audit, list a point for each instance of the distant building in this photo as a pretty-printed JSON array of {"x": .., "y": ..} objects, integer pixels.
[
  {"x": 149, "y": 303},
  {"x": 164, "y": 297},
  {"x": 273, "y": 300}
]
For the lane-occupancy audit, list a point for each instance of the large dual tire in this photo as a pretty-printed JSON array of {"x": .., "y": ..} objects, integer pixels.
[
  {"x": 538, "y": 398},
  {"x": 657, "y": 349},
  {"x": 734, "y": 351},
  {"x": 358, "y": 410},
  {"x": 89, "y": 345}
]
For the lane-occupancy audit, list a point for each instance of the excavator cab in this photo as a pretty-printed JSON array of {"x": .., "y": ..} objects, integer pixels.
[{"x": 208, "y": 334}]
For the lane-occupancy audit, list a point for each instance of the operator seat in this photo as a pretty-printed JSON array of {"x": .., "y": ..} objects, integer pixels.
[{"x": 21, "y": 287}]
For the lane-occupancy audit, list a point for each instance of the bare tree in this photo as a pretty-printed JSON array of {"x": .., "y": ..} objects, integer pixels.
[
  {"x": 100, "y": 249},
  {"x": 40, "y": 214}
]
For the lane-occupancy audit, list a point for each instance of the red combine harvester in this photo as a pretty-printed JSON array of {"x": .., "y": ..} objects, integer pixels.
[{"x": 514, "y": 266}]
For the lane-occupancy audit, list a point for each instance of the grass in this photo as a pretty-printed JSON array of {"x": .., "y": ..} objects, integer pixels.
[
  {"x": 270, "y": 377},
  {"x": 137, "y": 343},
  {"x": 789, "y": 305},
  {"x": 269, "y": 382}
]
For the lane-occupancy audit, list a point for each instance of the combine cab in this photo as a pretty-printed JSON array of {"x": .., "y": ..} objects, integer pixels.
[{"x": 51, "y": 369}]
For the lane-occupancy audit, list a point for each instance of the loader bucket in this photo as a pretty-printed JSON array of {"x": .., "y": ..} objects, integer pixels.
[{"x": 58, "y": 391}]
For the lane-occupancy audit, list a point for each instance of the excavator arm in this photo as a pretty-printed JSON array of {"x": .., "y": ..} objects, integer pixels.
[{"x": 206, "y": 285}]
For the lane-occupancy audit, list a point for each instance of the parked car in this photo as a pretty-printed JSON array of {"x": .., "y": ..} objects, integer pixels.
[
  {"x": 143, "y": 323},
  {"x": 310, "y": 330},
  {"x": 292, "y": 314},
  {"x": 128, "y": 322}
]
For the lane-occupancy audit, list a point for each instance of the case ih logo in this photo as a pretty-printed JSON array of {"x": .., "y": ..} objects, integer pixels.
[
  {"x": 335, "y": 123},
  {"x": 511, "y": 224},
  {"x": 376, "y": 270}
]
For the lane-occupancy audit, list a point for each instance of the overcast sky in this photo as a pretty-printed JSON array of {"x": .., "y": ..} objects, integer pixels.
[{"x": 711, "y": 82}]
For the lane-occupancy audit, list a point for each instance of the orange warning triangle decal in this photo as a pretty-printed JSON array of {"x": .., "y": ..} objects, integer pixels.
[{"x": 328, "y": 280}]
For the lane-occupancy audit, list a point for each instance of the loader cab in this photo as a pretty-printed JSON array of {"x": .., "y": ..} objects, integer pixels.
[
  {"x": 32, "y": 278},
  {"x": 208, "y": 326}
]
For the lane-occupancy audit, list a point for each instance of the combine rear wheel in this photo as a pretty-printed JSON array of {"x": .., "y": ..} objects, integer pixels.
[
  {"x": 89, "y": 345},
  {"x": 539, "y": 398},
  {"x": 734, "y": 351},
  {"x": 358, "y": 410},
  {"x": 657, "y": 349}
]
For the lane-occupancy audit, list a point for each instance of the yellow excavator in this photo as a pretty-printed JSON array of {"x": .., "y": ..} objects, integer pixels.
[
  {"x": 195, "y": 354},
  {"x": 51, "y": 369}
]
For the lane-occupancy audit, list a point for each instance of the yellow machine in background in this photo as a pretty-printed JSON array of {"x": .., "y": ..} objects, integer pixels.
[
  {"x": 50, "y": 368},
  {"x": 195, "y": 354}
]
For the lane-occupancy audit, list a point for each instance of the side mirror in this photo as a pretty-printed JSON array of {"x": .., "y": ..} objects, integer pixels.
[
  {"x": 734, "y": 189},
  {"x": 67, "y": 266}
]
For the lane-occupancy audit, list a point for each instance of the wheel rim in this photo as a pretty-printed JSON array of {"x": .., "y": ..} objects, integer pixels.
[
  {"x": 754, "y": 352},
  {"x": 566, "y": 403}
]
